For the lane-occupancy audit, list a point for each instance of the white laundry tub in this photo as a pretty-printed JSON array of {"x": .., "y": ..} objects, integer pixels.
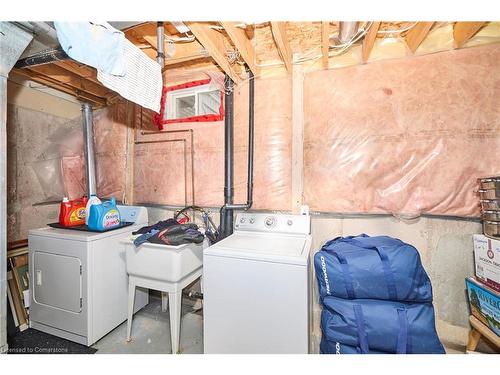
[
  {"x": 163, "y": 262},
  {"x": 168, "y": 269}
]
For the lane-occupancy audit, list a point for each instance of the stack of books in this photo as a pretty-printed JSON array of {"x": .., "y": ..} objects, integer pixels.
[{"x": 483, "y": 290}]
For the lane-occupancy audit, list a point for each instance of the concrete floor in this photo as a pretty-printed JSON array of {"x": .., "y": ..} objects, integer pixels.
[{"x": 151, "y": 332}]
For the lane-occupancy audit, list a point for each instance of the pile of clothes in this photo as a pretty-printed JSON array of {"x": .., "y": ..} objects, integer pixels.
[{"x": 169, "y": 232}]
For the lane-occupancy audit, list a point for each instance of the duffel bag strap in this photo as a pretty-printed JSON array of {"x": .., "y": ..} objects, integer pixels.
[
  {"x": 360, "y": 322},
  {"x": 346, "y": 275},
  {"x": 402, "y": 344},
  {"x": 388, "y": 274}
]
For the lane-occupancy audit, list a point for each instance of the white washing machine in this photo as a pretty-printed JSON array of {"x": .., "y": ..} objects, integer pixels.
[
  {"x": 78, "y": 279},
  {"x": 257, "y": 285}
]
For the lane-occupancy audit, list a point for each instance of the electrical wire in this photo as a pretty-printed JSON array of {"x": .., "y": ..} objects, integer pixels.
[
  {"x": 398, "y": 31},
  {"x": 211, "y": 230}
]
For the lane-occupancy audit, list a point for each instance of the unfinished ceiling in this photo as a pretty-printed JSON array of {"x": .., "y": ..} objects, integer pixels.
[{"x": 270, "y": 48}]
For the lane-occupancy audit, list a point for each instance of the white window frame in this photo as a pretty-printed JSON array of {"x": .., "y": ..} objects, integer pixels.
[{"x": 172, "y": 96}]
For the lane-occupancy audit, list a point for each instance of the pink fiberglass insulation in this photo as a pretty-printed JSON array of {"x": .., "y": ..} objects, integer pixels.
[
  {"x": 110, "y": 143},
  {"x": 272, "y": 148},
  {"x": 160, "y": 168},
  {"x": 159, "y": 173},
  {"x": 404, "y": 136},
  {"x": 73, "y": 170}
]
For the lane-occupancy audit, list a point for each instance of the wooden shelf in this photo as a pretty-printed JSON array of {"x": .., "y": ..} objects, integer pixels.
[{"x": 480, "y": 330}]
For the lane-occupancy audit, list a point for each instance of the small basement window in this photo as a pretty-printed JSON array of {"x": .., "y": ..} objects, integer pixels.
[{"x": 191, "y": 102}]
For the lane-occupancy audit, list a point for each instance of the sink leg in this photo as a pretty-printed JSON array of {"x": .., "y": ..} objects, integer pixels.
[
  {"x": 164, "y": 301},
  {"x": 175, "y": 301},
  {"x": 131, "y": 301}
]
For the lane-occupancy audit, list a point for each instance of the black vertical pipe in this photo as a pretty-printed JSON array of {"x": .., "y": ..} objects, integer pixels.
[
  {"x": 226, "y": 216},
  {"x": 251, "y": 93}
]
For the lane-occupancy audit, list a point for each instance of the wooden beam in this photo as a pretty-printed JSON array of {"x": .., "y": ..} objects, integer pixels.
[
  {"x": 242, "y": 44},
  {"x": 325, "y": 42},
  {"x": 79, "y": 69},
  {"x": 185, "y": 61},
  {"x": 417, "y": 35},
  {"x": 130, "y": 152},
  {"x": 463, "y": 31},
  {"x": 70, "y": 79},
  {"x": 213, "y": 42},
  {"x": 52, "y": 83},
  {"x": 278, "y": 30},
  {"x": 297, "y": 138},
  {"x": 369, "y": 41}
]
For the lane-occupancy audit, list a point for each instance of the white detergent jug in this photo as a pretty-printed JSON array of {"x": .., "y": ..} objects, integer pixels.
[{"x": 92, "y": 200}]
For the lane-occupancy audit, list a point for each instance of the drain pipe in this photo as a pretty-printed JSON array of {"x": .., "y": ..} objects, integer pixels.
[
  {"x": 88, "y": 132},
  {"x": 229, "y": 206},
  {"x": 226, "y": 215},
  {"x": 251, "y": 96}
]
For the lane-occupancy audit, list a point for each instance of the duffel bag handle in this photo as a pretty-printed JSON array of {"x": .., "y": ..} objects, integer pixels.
[
  {"x": 386, "y": 265},
  {"x": 349, "y": 285},
  {"x": 360, "y": 322},
  {"x": 402, "y": 345}
]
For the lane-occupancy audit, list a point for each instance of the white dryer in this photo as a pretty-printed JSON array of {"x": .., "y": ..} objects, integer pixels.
[
  {"x": 78, "y": 279},
  {"x": 256, "y": 287}
]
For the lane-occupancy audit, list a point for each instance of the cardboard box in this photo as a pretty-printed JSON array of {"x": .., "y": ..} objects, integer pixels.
[
  {"x": 484, "y": 304},
  {"x": 487, "y": 260}
]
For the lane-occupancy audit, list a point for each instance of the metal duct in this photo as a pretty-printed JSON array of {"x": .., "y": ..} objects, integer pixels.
[
  {"x": 88, "y": 133},
  {"x": 42, "y": 58},
  {"x": 160, "y": 45},
  {"x": 13, "y": 41},
  {"x": 347, "y": 30}
]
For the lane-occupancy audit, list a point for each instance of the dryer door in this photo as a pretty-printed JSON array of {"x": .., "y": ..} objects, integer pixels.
[{"x": 58, "y": 281}]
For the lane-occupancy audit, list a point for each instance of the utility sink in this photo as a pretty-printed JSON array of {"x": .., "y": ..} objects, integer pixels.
[{"x": 163, "y": 262}]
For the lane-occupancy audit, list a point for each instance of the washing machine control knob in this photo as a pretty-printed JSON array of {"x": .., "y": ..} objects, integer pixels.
[
  {"x": 289, "y": 222},
  {"x": 270, "y": 221},
  {"x": 242, "y": 220},
  {"x": 252, "y": 220}
]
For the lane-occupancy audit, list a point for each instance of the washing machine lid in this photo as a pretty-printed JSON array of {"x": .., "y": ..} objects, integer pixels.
[{"x": 278, "y": 248}]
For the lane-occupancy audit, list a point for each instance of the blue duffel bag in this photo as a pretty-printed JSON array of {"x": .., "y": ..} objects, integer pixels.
[
  {"x": 379, "y": 267},
  {"x": 386, "y": 326},
  {"x": 334, "y": 347}
]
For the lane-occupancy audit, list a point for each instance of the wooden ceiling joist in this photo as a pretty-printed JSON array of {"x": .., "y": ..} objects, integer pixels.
[
  {"x": 81, "y": 70},
  {"x": 240, "y": 40},
  {"x": 213, "y": 42},
  {"x": 280, "y": 38},
  {"x": 369, "y": 41},
  {"x": 53, "y": 83},
  {"x": 64, "y": 76},
  {"x": 417, "y": 34},
  {"x": 463, "y": 31},
  {"x": 325, "y": 42}
]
